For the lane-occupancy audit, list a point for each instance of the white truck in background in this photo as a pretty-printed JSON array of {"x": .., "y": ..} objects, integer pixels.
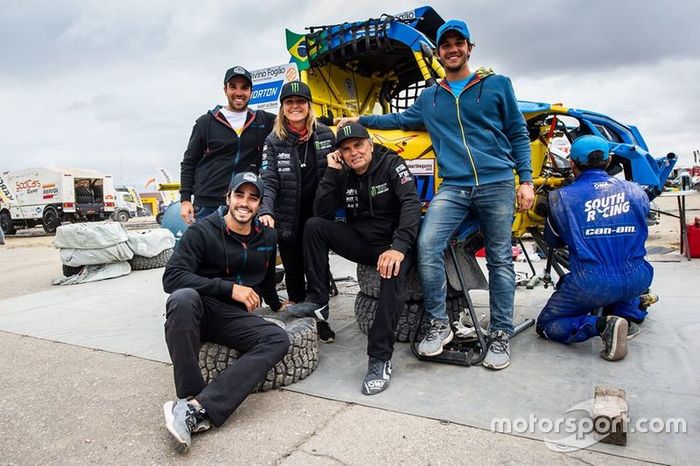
[
  {"x": 128, "y": 204},
  {"x": 49, "y": 196}
]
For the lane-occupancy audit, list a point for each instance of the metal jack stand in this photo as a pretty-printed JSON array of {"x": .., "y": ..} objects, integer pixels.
[
  {"x": 556, "y": 258},
  {"x": 470, "y": 344}
]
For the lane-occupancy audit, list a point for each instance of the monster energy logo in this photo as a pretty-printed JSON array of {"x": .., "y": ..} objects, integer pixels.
[
  {"x": 347, "y": 131},
  {"x": 295, "y": 87}
]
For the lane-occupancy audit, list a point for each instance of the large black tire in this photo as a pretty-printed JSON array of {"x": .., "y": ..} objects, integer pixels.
[
  {"x": 51, "y": 220},
  {"x": 299, "y": 362},
  {"x": 6, "y": 223},
  {"x": 368, "y": 279},
  {"x": 69, "y": 271},
  {"x": 155, "y": 262},
  {"x": 366, "y": 307}
]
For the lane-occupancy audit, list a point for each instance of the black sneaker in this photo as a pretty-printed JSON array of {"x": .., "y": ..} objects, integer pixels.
[
  {"x": 614, "y": 339},
  {"x": 325, "y": 334},
  {"x": 309, "y": 309},
  {"x": 377, "y": 378},
  {"x": 633, "y": 330}
]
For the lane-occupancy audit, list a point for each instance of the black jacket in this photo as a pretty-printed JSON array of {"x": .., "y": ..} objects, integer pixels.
[
  {"x": 210, "y": 260},
  {"x": 281, "y": 174},
  {"x": 215, "y": 153},
  {"x": 382, "y": 204}
]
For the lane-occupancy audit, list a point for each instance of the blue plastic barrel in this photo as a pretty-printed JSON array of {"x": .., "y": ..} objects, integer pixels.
[{"x": 173, "y": 222}]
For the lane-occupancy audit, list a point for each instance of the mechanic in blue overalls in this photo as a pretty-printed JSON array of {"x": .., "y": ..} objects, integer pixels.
[{"x": 602, "y": 220}]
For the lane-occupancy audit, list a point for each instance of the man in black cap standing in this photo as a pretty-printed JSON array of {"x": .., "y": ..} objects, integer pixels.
[
  {"x": 224, "y": 141},
  {"x": 382, "y": 209},
  {"x": 223, "y": 266}
]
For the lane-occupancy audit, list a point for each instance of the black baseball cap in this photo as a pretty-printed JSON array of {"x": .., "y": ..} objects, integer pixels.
[
  {"x": 295, "y": 88},
  {"x": 242, "y": 178},
  {"x": 351, "y": 130},
  {"x": 238, "y": 71}
]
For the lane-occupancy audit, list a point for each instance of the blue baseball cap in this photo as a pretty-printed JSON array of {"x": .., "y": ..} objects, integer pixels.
[
  {"x": 453, "y": 25},
  {"x": 585, "y": 145}
]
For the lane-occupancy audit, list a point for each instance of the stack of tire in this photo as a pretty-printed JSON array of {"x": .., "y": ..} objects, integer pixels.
[
  {"x": 106, "y": 250},
  {"x": 367, "y": 299},
  {"x": 88, "y": 249},
  {"x": 299, "y": 362},
  {"x": 152, "y": 249}
]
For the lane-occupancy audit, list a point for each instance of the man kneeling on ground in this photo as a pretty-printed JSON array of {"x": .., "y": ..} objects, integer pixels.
[
  {"x": 603, "y": 222},
  {"x": 382, "y": 209},
  {"x": 216, "y": 276}
]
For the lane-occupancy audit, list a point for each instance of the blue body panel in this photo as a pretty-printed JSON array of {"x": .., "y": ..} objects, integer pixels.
[{"x": 627, "y": 143}]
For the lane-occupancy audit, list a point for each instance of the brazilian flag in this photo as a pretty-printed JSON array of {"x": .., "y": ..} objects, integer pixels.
[{"x": 296, "y": 44}]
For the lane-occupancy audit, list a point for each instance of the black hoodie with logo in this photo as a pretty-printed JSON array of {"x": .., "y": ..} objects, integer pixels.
[
  {"x": 210, "y": 260},
  {"x": 215, "y": 153},
  {"x": 382, "y": 204}
]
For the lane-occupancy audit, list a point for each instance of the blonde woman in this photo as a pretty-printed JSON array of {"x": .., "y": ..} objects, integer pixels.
[{"x": 294, "y": 160}]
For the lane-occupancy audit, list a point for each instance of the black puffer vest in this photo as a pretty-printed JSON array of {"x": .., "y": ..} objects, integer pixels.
[{"x": 281, "y": 173}]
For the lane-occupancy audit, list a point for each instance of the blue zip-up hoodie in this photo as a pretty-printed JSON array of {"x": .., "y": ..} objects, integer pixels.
[{"x": 479, "y": 137}]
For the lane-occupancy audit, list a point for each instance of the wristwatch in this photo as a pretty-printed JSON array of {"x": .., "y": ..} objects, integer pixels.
[{"x": 530, "y": 183}]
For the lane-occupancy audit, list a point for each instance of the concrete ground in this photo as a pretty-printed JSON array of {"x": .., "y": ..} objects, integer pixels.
[
  {"x": 63, "y": 404},
  {"x": 67, "y": 404}
]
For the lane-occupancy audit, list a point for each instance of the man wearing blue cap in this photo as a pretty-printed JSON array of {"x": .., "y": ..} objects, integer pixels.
[
  {"x": 479, "y": 137},
  {"x": 602, "y": 220},
  {"x": 224, "y": 265}
]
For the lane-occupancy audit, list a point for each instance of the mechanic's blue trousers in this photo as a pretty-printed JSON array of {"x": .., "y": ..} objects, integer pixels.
[{"x": 567, "y": 318}]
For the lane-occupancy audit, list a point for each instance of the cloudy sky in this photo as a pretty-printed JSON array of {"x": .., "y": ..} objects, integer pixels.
[{"x": 116, "y": 86}]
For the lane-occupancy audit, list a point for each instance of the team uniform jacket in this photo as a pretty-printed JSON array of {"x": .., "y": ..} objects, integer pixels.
[
  {"x": 215, "y": 153},
  {"x": 479, "y": 136},
  {"x": 281, "y": 174},
  {"x": 382, "y": 204},
  {"x": 603, "y": 221},
  {"x": 211, "y": 260}
]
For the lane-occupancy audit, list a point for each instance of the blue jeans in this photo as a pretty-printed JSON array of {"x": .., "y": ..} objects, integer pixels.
[
  {"x": 493, "y": 206},
  {"x": 201, "y": 212}
]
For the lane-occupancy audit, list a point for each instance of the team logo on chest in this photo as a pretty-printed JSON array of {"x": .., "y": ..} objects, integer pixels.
[
  {"x": 351, "y": 201},
  {"x": 377, "y": 190},
  {"x": 606, "y": 207}
]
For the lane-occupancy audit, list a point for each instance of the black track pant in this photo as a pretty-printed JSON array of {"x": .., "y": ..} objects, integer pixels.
[
  {"x": 320, "y": 235},
  {"x": 191, "y": 320},
  {"x": 292, "y": 256}
]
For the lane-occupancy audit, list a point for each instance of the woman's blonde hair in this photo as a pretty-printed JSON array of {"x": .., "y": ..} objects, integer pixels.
[{"x": 280, "y": 128}]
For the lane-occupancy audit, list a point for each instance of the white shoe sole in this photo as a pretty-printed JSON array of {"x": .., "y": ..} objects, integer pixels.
[
  {"x": 494, "y": 367},
  {"x": 438, "y": 352},
  {"x": 181, "y": 445}
]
